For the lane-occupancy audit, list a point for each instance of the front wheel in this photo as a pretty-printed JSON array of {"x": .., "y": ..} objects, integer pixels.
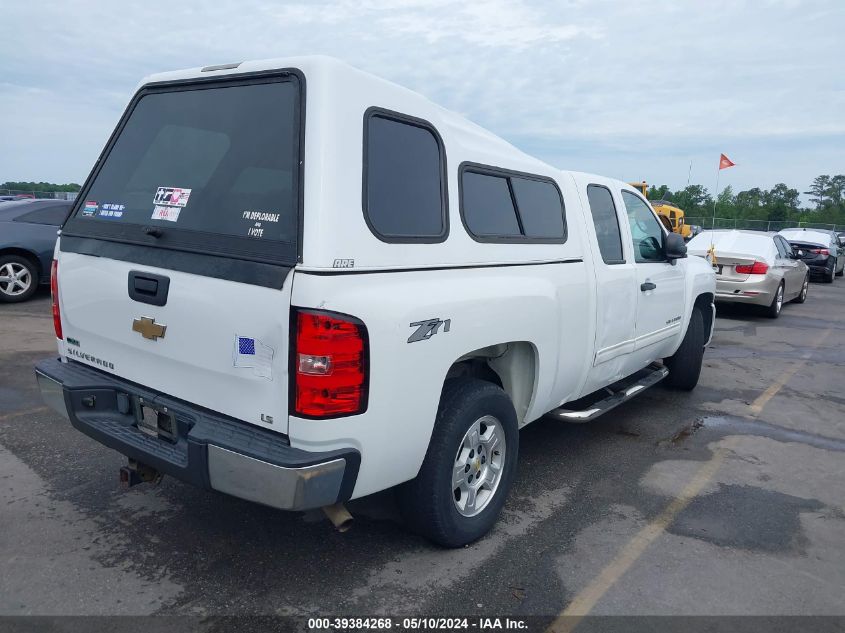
[
  {"x": 685, "y": 364},
  {"x": 470, "y": 465}
]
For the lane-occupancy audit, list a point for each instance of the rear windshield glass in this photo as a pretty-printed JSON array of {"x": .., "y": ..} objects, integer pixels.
[{"x": 221, "y": 161}]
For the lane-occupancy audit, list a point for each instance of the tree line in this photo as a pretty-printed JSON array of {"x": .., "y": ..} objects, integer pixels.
[
  {"x": 31, "y": 187},
  {"x": 778, "y": 204}
]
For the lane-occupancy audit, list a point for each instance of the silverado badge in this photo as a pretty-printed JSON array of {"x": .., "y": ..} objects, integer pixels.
[{"x": 148, "y": 328}]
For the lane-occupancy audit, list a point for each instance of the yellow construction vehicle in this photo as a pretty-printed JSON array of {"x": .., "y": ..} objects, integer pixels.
[{"x": 666, "y": 209}]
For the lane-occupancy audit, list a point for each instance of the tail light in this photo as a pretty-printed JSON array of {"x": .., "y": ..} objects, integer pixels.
[
  {"x": 54, "y": 294},
  {"x": 329, "y": 368},
  {"x": 820, "y": 251},
  {"x": 757, "y": 268}
]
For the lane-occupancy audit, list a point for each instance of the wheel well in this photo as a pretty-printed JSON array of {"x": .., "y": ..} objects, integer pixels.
[
  {"x": 511, "y": 366},
  {"x": 20, "y": 252},
  {"x": 703, "y": 303}
]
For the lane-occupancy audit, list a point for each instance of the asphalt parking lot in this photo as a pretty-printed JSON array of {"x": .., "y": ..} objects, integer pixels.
[{"x": 727, "y": 500}]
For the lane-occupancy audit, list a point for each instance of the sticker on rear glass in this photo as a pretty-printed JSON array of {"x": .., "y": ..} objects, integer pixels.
[
  {"x": 251, "y": 353},
  {"x": 90, "y": 208},
  {"x": 112, "y": 211},
  {"x": 258, "y": 218},
  {"x": 173, "y": 196},
  {"x": 171, "y": 214}
]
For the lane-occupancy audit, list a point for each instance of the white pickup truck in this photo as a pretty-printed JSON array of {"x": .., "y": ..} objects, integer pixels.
[{"x": 299, "y": 284}]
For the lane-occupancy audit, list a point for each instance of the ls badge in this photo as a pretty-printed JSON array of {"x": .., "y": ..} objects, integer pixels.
[{"x": 148, "y": 328}]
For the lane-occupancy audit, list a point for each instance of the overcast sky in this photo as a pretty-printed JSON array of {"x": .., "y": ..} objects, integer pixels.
[{"x": 634, "y": 89}]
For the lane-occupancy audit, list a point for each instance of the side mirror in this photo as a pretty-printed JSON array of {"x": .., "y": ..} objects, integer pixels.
[{"x": 674, "y": 247}]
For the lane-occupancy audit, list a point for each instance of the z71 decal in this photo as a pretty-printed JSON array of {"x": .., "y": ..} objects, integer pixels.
[{"x": 426, "y": 329}]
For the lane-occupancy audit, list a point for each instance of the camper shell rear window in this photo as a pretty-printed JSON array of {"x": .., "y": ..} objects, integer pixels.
[{"x": 209, "y": 167}]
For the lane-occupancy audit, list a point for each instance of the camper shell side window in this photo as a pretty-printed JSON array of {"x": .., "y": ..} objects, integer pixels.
[
  {"x": 505, "y": 206},
  {"x": 404, "y": 195}
]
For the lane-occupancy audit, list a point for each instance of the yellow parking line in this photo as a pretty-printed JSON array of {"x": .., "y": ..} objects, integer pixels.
[
  {"x": 586, "y": 600},
  {"x": 17, "y": 414},
  {"x": 768, "y": 394}
]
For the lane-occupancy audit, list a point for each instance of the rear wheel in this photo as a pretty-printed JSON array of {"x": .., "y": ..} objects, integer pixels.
[
  {"x": 685, "y": 364},
  {"x": 469, "y": 467},
  {"x": 18, "y": 278},
  {"x": 830, "y": 275},
  {"x": 805, "y": 288},
  {"x": 773, "y": 311}
]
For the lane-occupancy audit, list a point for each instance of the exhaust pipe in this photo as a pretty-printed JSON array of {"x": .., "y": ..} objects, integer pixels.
[{"x": 339, "y": 516}]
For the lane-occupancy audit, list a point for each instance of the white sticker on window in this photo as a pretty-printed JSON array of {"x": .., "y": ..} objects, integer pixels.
[
  {"x": 173, "y": 196},
  {"x": 171, "y": 214}
]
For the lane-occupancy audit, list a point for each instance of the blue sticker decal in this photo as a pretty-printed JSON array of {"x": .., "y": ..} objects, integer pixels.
[{"x": 112, "y": 211}]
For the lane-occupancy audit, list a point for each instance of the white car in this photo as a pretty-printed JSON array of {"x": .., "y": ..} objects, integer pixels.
[{"x": 304, "y": 296}]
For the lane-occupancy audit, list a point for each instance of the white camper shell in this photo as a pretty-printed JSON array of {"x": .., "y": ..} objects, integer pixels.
[{"x": 299, "y": 284}]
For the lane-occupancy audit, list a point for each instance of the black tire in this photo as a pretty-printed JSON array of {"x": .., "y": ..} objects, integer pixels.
[
  {"x": 829, "y": 275},
  {"x": 805, "y": 288},
  {"x": 685, "y": 364},
  {"x": 7, "y": 290},
  {"x": 840, "y": 273},
  {"x": 774, "y": 308},
  {"x": 428, "y": 502}
]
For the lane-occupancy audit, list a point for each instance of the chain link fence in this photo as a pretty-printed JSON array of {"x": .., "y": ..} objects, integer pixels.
[
  {"x": 52, "y": 195},
  {"x": 758, "y": 225}
]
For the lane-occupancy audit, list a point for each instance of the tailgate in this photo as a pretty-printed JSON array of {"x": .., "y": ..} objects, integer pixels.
[
  {"x": 202, "y": 186},
  {"x": 225, "y": 346}
]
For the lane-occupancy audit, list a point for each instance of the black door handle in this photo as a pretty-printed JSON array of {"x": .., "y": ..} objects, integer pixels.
[{"x": 647, "y": 286}]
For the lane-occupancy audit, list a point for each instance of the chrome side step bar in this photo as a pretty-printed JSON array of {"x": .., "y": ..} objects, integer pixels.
[{"x": 617, "y": 394}]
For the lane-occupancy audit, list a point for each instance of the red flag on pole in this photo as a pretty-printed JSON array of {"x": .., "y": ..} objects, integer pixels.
[{"x": 725, "y": 162}]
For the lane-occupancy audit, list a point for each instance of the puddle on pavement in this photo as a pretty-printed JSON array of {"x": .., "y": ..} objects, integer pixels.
[
  {"x": 728, "y": 425},
  {"x": 772, "y": 431},
  {"x": 747, "y": 517}
]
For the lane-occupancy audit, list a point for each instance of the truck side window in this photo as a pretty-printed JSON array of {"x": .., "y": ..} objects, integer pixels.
[
  {"x": 607, "y": 224},
  {"x": 646, "y": 232},
  {"x": 404, "y": 179},
  {"x": 499, "y": 205}
]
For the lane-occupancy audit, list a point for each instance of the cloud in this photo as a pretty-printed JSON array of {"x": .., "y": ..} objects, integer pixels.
[{"x": 627, "y": 89}]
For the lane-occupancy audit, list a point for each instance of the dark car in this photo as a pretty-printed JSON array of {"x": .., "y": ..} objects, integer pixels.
[
  {"x": 27, "y": 237},
  {"x": 823, "y": 251}
]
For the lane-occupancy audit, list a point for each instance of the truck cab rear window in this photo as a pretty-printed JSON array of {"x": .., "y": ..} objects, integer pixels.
[
  {"x": 404, "y": 179},
  {"x": 504, "y": 206},
  {"x": 606, "y": 222},
  {"x": 220, "y": 163}
]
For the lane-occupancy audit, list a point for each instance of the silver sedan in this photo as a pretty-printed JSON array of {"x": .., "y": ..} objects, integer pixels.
[{"x": 754, "y": 268}]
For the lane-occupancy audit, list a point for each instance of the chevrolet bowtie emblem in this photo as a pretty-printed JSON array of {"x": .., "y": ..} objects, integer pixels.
[{"x": 148, "y": 328}]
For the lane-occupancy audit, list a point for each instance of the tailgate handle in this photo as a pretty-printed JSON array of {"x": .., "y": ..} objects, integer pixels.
[{"x": 148, "y": 288}]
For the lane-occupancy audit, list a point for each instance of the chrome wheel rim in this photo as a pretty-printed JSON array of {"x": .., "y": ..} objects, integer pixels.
[
  {"x": 779, "y": 298},
  {"x": 479, "y": 464},
  {"x": 804, "y": 289},
  {"x": 15, "y": 279}
]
